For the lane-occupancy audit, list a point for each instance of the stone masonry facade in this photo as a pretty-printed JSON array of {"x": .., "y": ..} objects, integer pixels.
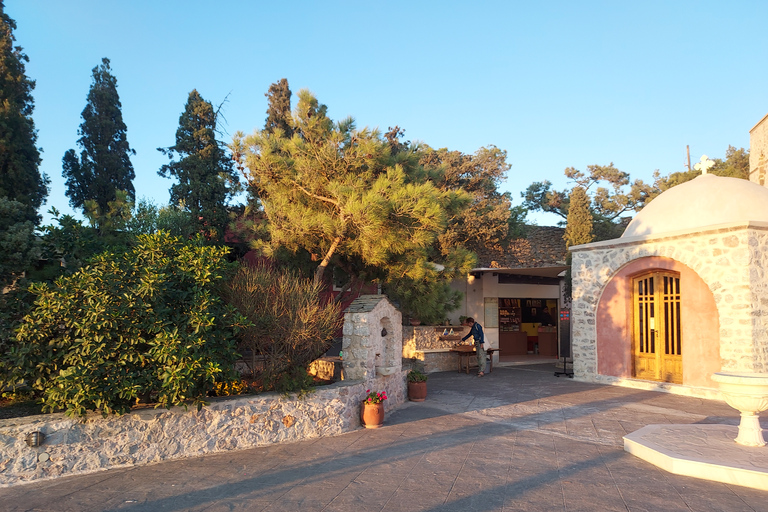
[{"x": 732, "y": 260}]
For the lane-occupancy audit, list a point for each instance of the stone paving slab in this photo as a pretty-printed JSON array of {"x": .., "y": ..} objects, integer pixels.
[{"x": 518, "y": 439}]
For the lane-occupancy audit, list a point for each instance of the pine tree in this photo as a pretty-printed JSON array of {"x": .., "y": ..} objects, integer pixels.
[
  {"x": 20, "y": 178},
  {"x": 204, "y": 170},
  {"x": 279, "y": 110},
  {"x": 104, "y": 165},
  {"x": 338, "y": 193}
]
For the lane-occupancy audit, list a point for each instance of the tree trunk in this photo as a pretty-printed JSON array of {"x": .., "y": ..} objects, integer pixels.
[{"x": 326, "y": 260}]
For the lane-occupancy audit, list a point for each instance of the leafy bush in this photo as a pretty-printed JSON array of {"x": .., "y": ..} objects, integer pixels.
[
  {"x": 146, "y": 322},
  {"x": 18, "y": 249},
  {"x": 67, "y": 245},
  {"x": 295, "y": 380},
  {"x": 14, "y": 306},
  {"x": 235, "y": 387},
  {"x": 290, "y": 326}
]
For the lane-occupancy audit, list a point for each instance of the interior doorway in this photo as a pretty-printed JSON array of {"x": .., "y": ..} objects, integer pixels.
[
  {"x": 656, "y": 342},
  {"x": 528, "y": 327}
]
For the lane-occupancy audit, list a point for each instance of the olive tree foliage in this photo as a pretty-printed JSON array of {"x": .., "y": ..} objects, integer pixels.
[
  {"x": 148, "y": 323},
  {"x": 613, "y": 197},
  {"x": 20, "y": 177},
  {"x": 340, "y": 194},
  {"x": 103, "y": 166},
  {"x": 289, "y": 326}
]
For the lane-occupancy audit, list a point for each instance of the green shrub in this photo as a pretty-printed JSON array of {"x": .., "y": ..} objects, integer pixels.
[
  {"x": 18, "y": 247},
  {"x": 14, "y": 306},
  {"x": 148, "y": 322},
  {"x": 295, "y": 380},
  {"x": 290, "y": 326},
  {"x": 417, "y": 376}
]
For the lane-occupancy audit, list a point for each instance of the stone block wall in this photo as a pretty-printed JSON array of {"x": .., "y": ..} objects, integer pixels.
[
  {"x": 730, "y": 260},
  {"x": 154, "y": 435}
]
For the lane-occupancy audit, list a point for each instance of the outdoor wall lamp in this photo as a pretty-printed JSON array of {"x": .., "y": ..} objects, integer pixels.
[{"x": 34, "y": 439}]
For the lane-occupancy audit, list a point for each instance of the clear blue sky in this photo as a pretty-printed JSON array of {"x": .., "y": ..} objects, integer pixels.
[{"x": 555, "y": 83}]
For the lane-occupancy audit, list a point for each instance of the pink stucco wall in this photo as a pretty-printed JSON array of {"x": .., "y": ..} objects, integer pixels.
[{"x": 700, "y": 324}]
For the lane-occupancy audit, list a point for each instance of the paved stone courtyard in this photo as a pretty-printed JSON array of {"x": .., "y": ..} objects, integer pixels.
[{"x": 518, "y": 439}]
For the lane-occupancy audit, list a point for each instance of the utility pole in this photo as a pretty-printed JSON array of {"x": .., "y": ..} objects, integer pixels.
[{"x": 688, "y": 151}]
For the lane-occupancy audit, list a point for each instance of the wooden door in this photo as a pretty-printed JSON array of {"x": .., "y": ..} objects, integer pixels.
[{"x": 656, "y": 343}]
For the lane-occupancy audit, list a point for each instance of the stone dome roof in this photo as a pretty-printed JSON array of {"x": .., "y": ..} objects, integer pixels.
[{"x": 706, "y": 200}]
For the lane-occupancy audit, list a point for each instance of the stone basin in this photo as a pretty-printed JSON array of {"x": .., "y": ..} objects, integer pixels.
[
  {"x": 746, "y": 392},
  {"x": 386, "y": 370}
]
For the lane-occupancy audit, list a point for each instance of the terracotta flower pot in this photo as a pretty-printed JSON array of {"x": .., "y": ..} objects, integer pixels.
[
  {"x": 372, "y": 415},
  {"x": 417, "y": 391}
]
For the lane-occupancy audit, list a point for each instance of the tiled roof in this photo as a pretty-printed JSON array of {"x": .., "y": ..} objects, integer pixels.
[{"x": 542, "y": 247}]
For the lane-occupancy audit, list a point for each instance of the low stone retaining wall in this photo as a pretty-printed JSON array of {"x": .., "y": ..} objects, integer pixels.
[
  {"x": 155, "y": 435},
  {"x": 436, "y": 360},
  {"x": 429, "y": 337},
  {"x": 428, "y": 345}
]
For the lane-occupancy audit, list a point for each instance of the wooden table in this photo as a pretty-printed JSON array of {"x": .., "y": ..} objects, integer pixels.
[{"x": 465, "y": 354}]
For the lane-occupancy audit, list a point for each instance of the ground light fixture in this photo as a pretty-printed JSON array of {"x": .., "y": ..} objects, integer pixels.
[{"x": 34, "y": 439}]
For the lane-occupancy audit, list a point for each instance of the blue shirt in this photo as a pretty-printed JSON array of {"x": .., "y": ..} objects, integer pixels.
[{"x": 476, "y": 332}]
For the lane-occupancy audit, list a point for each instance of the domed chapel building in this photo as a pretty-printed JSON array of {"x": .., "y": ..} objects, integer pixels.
[{"x": 683, "y": 293}]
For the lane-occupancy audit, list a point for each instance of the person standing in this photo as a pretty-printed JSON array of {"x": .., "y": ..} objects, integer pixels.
[{"x": 476, "y": 331}]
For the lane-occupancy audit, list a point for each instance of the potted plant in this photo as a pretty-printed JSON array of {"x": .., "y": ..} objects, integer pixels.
[
  {"x": 372, "y": 410},
  {"x": 417, "y": 386}
]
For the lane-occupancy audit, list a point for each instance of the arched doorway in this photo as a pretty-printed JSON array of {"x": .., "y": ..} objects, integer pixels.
[{"x": 657, "y": 346}]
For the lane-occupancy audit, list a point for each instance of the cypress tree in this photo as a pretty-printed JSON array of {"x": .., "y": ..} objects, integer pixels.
[
  {"x": 579, "y": 228},
  {"x": 20, "y": 178},
  {"x": 577, "y": 231},
  {"x": 104, "y": 165},
  {"x": 279, "y": 110},
  {"x": 204, "y": 170}
]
